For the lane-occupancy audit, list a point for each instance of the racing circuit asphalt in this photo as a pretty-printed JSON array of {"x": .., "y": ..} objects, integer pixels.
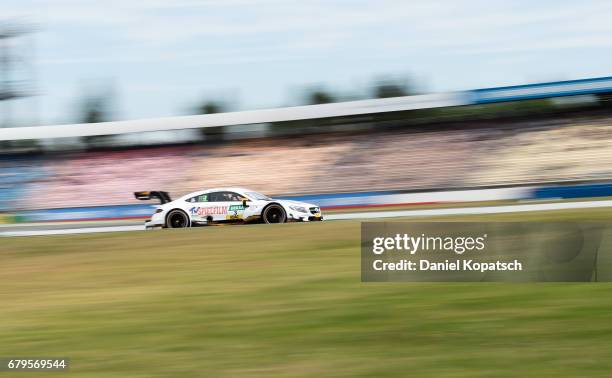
[{"x": 38, "y": 229}]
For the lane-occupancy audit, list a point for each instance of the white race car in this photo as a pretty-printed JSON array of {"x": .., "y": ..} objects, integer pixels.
[{"x": 225, "y": 205}]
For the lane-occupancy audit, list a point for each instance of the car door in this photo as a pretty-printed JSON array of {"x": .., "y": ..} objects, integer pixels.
[
  {"x": 217, "y": 206},
  {"x": 235, "y": 207},
  {"x": 227, "y": 206},
  {"x": 200, "y": 208}
]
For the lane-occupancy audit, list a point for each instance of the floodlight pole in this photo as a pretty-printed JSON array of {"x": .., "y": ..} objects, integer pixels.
[
  {"x": 5, "y": 67},
  {"x": 8, "y": 91}
]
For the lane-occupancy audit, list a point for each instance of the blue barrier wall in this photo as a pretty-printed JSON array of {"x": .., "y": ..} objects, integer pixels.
[
  {"x": 573, "y": 191},
  {"x": 84, "y": 213}
]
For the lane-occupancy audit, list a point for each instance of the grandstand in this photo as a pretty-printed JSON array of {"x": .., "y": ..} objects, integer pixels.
[{"x": 399, "y": 159}]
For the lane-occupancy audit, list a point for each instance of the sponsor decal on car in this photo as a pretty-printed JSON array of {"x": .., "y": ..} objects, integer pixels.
[
  {"x": 235, "y": 209},
  {"x": 212, "y": 210}
]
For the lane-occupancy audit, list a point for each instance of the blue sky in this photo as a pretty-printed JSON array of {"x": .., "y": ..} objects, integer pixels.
[{"x": 162, "y": 57}]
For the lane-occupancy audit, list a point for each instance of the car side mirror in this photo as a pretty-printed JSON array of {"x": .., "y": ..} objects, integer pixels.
[{"x": 244, "y": 203}]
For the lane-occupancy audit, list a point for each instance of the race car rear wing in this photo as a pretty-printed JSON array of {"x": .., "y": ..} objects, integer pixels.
[{"x": 163, "y": 197}]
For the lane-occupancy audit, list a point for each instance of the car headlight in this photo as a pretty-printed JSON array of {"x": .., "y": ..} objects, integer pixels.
[{"x": 299, "y": 209}]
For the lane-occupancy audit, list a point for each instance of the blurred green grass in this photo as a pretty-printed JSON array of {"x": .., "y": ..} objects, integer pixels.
[{"x": 283, "y": 300}]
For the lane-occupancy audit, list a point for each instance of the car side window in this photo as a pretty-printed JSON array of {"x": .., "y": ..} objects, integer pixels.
[
  {"x": 224, "y": 197},
  {"x": 216, "y": 197},
  {"x": 233, "y": 196},
  {"x": 200, "y": 198}
]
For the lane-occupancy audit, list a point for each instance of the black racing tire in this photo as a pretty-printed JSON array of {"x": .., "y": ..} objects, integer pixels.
[
  {"x": 274, "y": 213},
  {"x": 177, "y": 219}
]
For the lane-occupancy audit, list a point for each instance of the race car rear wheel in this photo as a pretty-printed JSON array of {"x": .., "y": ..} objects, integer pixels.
[
  {"x": 274, "y": 214},
  {"x": 177, "y": 219}
]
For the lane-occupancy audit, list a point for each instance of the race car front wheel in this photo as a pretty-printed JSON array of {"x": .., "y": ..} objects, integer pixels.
[
  {"x": 274, "y": 214},
  {"x": 177, "y": 219}
]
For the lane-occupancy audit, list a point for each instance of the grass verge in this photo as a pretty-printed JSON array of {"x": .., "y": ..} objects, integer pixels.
[{"x": 283, "y": 300}]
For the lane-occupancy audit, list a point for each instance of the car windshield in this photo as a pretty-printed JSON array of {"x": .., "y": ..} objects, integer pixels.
[{"x": 258, "y": 196}]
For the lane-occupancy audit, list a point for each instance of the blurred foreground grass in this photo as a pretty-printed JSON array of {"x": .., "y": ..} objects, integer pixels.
[{"x": 282, "y": 300}]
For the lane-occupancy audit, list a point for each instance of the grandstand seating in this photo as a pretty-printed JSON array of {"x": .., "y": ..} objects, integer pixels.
[
  {"x": 549, "y": 154},
  {"x": 572, "y": 150},
  {"x": 17, "y": 177}
]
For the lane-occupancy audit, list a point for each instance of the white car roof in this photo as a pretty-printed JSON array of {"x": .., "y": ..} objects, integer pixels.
[{"x": 226, "y": 189}]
